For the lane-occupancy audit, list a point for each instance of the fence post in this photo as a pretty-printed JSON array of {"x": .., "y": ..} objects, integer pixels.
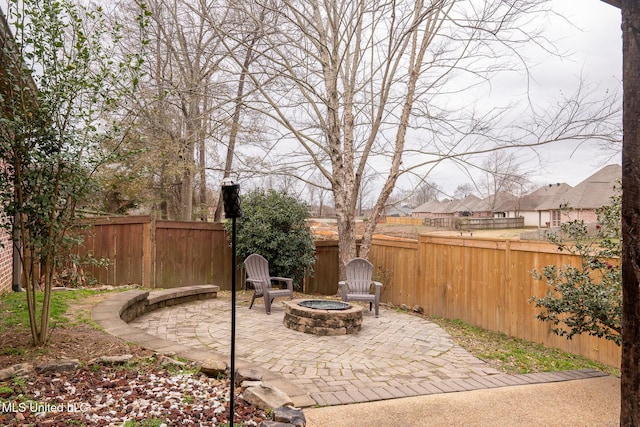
[{"x": 148, "y": 253}]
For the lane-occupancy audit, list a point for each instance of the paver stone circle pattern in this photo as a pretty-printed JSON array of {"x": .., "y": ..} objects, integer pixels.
[{"x": 396, "y": 351}]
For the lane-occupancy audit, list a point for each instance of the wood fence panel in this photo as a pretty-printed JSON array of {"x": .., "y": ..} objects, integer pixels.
[
  {"x": 447, "y": 267},
  {"x": 326, "y": 273},
  {"x": 120, "y": 242},
  {"x": 95, "y": 244},
  {"x": 394, "y": 264},
  {"x": 488, "y": 283},
  {"x": 405, "y": 220},
  {"x": 529, "y": 256},
  {"x": 129, "y": 253},
  {"x": 185, "y": 253}
]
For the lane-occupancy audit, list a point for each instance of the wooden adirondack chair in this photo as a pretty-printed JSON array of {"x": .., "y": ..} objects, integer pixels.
[
  {"x": 357, "y": 287},
  {"x": 257, "y": 270}
]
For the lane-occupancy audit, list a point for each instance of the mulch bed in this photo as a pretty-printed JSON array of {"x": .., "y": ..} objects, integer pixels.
[{"x": 103, "y": 395}]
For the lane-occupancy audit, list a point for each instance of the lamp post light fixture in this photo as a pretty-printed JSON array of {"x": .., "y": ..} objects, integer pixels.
[
  {"x": 231, "y": 199},
  {"x": 232, "y": 210}
]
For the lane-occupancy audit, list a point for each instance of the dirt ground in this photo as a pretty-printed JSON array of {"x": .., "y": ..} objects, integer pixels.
[
  {"x": 77, "y": 340},
  {"x": 326, "y": 230}
]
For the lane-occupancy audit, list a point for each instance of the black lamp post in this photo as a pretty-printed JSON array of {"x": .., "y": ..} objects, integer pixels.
[{"x": 231, "y": 199}]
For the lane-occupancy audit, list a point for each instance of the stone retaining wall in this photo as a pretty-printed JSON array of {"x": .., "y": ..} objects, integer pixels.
[{"x": 144, "y": 302}]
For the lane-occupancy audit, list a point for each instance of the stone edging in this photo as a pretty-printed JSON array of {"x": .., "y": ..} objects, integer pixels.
[{"x": 113, "y": 315}]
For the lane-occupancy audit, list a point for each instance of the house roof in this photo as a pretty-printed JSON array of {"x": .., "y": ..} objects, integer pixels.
[
  {"x": 592, "y": 193},
  {"x": 469, "y": 203},
  {"x": 531, "y": 201},
  {"x": 428, "y": 207},
  {"x": 396, "y": 210},
  {"x": 499, "y": 203}
]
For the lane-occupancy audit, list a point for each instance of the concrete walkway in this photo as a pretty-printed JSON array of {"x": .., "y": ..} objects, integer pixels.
[
  {"x": 394, "y": 356},
  {"x": 593, "y": 402}
]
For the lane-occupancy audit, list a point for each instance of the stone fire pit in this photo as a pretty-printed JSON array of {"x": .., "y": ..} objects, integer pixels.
[{"x": 323, "y": 317}]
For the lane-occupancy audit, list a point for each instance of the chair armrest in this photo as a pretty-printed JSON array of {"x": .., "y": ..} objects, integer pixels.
[
  {"x": 288, "y": 281},
  {"x": 376, "y": 291},
  {"x": 257, "y": 284},
  {"x": 343, "y": 286}
]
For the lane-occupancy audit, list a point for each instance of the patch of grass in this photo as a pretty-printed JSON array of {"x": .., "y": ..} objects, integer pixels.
[
  {"x": 19, "y": 381},
  {"x": 151, "y": 422},
  {"x": 14, "y": 314},
  {"x": 182, "y": 369},
  {"x": 12, "y": 351},
  {"x": 514, "y": 355}
]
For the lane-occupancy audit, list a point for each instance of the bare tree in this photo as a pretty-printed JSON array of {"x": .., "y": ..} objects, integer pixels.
[
  {"x": 351, "y": 85},
  {"x": 501, "y": 176},
  {"x": 317, "y": 193},
  {"x": 181, "y": 110},
  {"x": 464, "y": 190},
  {"x": 424, "y": 193},
  {"x": 249, "y": 34}
]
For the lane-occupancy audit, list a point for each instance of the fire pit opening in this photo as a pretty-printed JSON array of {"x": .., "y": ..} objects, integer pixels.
[
  {"x": 323, "y": 317},
  {"x": 321, "y": 304}
]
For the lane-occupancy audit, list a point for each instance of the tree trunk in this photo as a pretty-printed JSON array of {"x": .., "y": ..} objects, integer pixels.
[
  {"x": 186, "y": 192},
  {"x": 346, "y": 240},
  {"x": 630, "y": 378},
  {"x": 202, "y": 171}
]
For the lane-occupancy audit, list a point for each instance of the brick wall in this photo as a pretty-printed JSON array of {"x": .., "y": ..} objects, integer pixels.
[{"x": 6, "y": 265}]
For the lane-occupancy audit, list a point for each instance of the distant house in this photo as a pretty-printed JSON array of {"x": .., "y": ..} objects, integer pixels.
[
  {"x": 395, "y": 210},
  {"x": 581, "y": 201},
  {"x": 527, "y": 205},
  {"x": 459, "y": 208},
  {"x": 548, "y": 206},
  {"x": 498, "y": 206},
  {"x": 426, "y": 210}
]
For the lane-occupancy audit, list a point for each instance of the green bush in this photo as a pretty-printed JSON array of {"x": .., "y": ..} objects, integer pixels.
[
  {"x": 274, "y": 226},
  {"x": 587, "y": 298}
]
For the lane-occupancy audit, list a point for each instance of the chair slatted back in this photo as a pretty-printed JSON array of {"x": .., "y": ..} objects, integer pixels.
[
  {"x": 359, "y": 272},
  {"x": 257, "y": 268}
]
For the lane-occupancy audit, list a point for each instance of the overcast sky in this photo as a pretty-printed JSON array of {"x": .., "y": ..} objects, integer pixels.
[{"x": 594, "y": 39}]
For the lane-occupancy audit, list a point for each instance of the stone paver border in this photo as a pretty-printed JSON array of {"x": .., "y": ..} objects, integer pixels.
[{"x": 114, "y": 314}]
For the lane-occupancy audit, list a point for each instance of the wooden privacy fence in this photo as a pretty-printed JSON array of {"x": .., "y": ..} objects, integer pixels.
[
  {"x": 171, "y": 254},
  {"x": 158, "y": 254},
  {"x": 471, "y": 223},
  {"x": 404, "y": 220},
  {"x": 484, "y": 282}
]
